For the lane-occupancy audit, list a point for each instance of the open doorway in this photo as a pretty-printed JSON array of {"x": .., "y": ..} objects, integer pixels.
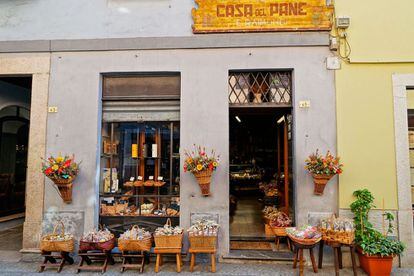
[
  {"x": 260, "y": 121},
  {"x": 15, "y": 99},
  {"x": 260, "y": 156}
]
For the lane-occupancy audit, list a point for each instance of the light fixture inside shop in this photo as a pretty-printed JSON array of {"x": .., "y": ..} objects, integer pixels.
[
  {"x": 238, "y": 119},
  {"x": 281, "y": 120}
]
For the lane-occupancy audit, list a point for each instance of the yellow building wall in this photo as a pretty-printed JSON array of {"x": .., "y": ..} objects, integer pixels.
[
  {"x": 380, "y": 30},
  {"x": 410, "y": 99},
  {"x": 365, "y": 122}
]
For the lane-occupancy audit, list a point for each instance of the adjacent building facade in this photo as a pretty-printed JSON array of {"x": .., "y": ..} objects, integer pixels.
[{"x": 358, "y": 111}]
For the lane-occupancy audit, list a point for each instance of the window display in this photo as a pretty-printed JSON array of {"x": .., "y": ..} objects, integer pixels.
[{"x": 140, "y": 169}]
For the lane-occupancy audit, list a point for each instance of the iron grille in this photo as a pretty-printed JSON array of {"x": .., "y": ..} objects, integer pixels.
[{"x": 260, "y": 88}]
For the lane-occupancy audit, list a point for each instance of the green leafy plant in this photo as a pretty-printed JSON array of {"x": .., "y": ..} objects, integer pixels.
[{"x": 371, "y": 241}]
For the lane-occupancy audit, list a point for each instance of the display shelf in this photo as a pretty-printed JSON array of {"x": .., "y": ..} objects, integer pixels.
[
  {"x": 139, "y": 216},
  {"x": 143, "y": 150}
]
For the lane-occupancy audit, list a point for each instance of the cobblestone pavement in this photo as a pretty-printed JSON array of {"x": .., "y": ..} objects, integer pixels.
[{"x": 30, "y": 268}]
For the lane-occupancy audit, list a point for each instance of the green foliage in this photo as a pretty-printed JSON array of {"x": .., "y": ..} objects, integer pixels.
[{"x": 371, "y": 241}]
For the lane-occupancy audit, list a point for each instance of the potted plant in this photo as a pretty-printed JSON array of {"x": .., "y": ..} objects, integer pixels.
[
  {"x": 201, "y": 166},
  {"x": 375, "y": 250},
  {"x": 322, "y": 168},
  {"x": 62, "y": 171}
]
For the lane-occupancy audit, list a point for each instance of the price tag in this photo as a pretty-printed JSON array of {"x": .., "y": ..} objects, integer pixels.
[
  {"x": 132, "y": 179},
  {"x": 109, "y": 199},
  {"x": 160, "y": 178},
  {"x": 151, "y": 177},
  {"x": 139, "y": 178}
]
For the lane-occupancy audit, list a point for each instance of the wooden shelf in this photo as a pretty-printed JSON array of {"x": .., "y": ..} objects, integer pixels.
[{"x": 137, "y": 216}]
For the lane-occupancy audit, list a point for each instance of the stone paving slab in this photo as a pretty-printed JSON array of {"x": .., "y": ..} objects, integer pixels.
[{"x": 223, "y": 269}]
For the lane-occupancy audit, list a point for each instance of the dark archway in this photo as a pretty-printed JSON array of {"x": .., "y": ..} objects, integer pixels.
[{"x": 14, "y": 136}]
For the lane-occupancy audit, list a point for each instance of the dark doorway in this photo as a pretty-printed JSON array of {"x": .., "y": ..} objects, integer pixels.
[
  {"x": 15, "y": 98},
  {"x": 260, "y": 155}
]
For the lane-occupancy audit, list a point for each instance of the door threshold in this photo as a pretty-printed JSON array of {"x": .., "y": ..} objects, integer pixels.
[
  {"x": 12, "y": 217},
  {"x": 259, "y": 255},
  {"x": 252, "y": 239}
]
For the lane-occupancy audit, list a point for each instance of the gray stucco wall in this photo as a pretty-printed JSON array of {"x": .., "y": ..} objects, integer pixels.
[
  {"x": 75, "y": 87},
  {"x": 69, "y": 19}
]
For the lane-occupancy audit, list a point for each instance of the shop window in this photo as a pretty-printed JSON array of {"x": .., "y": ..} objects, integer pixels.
[
  {"x": 273, "y": 88},
  {"x": 140, "y": 162}
]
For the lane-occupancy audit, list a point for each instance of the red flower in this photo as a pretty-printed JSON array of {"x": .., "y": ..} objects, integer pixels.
[
  {"x": 67, "y": 163},
  {"x": 210, "y": 166},
  {"x": 48, "y": 171}
]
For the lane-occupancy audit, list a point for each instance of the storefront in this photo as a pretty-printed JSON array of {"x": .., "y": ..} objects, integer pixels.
[
  {"x": 86, "y": 119},
  {"x": 128, "y": 108}
]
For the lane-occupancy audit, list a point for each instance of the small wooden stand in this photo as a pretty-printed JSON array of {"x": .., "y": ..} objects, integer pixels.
[
  {"x": 299, "y": 256},
  {"x": 212, "y": 253},
  {"x": 51, "y": 260},
  {"x": 277, "y": 241},
  {"x": 90, "y": 257},
  {"x": 127, "y": 258},
  {"x": 161, "y": 251},
  {"x": 337, "y": 255}
]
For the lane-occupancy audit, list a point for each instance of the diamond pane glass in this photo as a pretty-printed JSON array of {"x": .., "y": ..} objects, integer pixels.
[{"x": 260, "y": 88}]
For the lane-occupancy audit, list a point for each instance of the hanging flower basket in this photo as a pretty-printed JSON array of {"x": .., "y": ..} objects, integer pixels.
[
  {"x": 204, "y": 179},
  {"x": 320, "y": 181},
  {"x": 62, "y": 171},
  {"x": 322, "y": 168},
  {"x": 201, "y": 166},
  {"x": 65, "y": 188}
]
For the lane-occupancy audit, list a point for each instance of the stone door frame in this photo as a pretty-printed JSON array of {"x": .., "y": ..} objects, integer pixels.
[
  {"x": 405, "y": 218},
  {"x": 37, "y": 66}
]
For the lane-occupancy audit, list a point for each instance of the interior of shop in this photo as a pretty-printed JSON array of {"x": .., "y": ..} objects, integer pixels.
[
  {"x": 14, "y": 124},
  {"x": 140, "y": 161},
  {"x": 15, "y": 98},
  {"x": 259, "y": 139}
]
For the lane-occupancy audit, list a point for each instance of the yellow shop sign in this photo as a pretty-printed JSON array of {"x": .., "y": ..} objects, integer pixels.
[{"x": 220, "y": 16}]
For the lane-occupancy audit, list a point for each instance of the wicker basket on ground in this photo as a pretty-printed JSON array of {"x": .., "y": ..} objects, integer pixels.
[
  {"x": 52, "y": 243},
  {"x": 144, "y": 244},
  {"x": 168, "y": 242}
]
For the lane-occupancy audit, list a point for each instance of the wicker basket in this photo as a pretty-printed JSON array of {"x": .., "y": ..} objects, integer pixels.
[
  {"x": 304, "y": 241},
  {"x": 138, "y": 183},
  {"x": 204, "y": 179},
  {"x": 279, "y": 231},
  {"x": 120, "y": 208},
  {"x": 166, "y": 242},
  {"x": 149, "y": 183},
  {"x": 159, "y": 183},
  {"x": 268, "y": 230},
  {"x": 108, "y": 210},
  {"x": 103, "y": 246},
  {"x": 135, "y": 245},
  {"x": 320, "y": 181},
  {"x": 57, "y": 246},
  {"x": 338, "y": 236},
  {"x": 203, "y": 242},
  {"x": 65, "y": 188}
]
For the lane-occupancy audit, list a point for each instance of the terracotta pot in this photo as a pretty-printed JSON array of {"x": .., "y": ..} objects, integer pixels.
[
  {"x": 65, "y": 189},
  {"x": 375, "y": 265},
  {"x": 204, "y": 179},
  {"x": 320, "y": 181}
]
